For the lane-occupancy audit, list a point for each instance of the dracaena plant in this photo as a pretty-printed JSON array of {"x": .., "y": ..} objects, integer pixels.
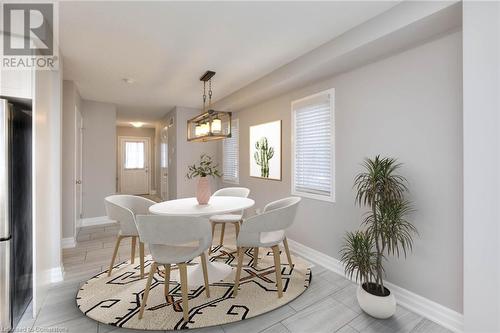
[
  {"x": 386, "y": 228},
  {"x": 206, "y": 167}
]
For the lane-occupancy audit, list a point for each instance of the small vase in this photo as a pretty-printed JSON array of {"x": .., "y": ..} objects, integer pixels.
[{"x": 203, "y": 191}]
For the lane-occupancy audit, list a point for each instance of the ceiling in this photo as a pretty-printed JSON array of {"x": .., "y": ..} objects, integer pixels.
[{"x": 165, "y": 46}]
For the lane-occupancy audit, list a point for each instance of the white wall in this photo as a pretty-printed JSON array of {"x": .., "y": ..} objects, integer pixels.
[
  {"x": 481, "y": 64},
  {"x": 99, "y": 156},
  {"x": 71, "y": 100},
  {"x": 407, "y": 106},
  {"x": 47, "y": 124}
]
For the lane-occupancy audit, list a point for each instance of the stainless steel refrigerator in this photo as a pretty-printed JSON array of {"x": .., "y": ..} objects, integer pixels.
[{"x": 16, "y": 249}]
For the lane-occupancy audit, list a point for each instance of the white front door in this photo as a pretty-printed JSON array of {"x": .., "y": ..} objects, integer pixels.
[
  {"x": 164, "y": 163},
  {"x": 78, "y": 166},
  {"x": 134, "y": 165}
]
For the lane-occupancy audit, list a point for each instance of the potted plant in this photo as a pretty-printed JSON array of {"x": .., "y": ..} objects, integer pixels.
[
  {"x": 206, "y": 168},
  {"x": 386, "y": 232}
]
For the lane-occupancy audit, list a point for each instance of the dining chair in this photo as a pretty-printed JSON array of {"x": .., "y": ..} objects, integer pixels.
[
  {"x": 174, "y": 240},
  {"x": 124, "y": 209},
  {"x": 223, "y": 219},
  {"x": 267, "y": 230}
]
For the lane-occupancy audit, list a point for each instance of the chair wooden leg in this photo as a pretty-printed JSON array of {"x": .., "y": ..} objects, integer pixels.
[
  {"x": 132, "y": 252},
  {"x": 237, "y": 227},
  {"x": 222, "y": 233},
  {"x": 213, "y": 233},
  {"x": 287, "y": 251},
  {"x": 141, "y": 258},
  {"x": 152, "y": 272},
  {"x": 255, "y": 256},
  {"x": 115, "y": 252},
  {"x": 184, "y": 290},
  {"x": 205, "y": 273},
  {"x": 277, "y": 266},
  {"x": 167, "y": 278},
  {"x": 241, "y": 251}
]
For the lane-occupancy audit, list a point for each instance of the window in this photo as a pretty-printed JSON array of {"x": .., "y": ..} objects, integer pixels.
[
  {"x": 164, "y": 155},
  {"x": 134, "y": 155},
  {"x": 313, "y": 146},
  {"x": 230, "y": 149}
]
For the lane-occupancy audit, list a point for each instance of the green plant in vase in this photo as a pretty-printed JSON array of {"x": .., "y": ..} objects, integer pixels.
[
  {"x": 206, "y": 167},
  {"x": 262, "y": 156},
  {"x": 386, "y": 232}
]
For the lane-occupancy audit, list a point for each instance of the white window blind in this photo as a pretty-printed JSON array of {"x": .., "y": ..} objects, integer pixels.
[
  {"x": 231, "y": 154},
  {"x": 134, "y": 155},
  {"x": 313, "y": 150}
]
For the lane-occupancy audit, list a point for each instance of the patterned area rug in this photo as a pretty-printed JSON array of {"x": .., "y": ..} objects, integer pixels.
[{"x": 116, "y": 300}]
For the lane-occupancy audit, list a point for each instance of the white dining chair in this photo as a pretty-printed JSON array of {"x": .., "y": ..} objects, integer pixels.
[
  {"x": 223, "y": 219},
  {"x": 123, "y": 209},
  {"x": 174, "y": 240},
  {"x": 267, "y": 230}
]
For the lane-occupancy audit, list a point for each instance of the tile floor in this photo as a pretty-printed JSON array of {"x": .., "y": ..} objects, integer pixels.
[{"x": 329, "y": 304}]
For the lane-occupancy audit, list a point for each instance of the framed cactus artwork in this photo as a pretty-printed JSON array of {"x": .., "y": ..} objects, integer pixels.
[{"x": 265, "y": 150}]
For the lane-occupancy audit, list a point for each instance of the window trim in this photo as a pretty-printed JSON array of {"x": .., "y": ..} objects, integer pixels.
[
  {"x": 237, "y": 180},
  {"x": 331, "y": 197}
]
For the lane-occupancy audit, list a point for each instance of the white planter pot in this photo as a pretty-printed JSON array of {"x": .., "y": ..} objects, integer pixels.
[{"x": 381, "y": 307}]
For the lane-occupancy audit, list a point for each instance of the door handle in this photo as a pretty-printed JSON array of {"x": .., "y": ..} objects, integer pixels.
[{"x": 78, "y": 181}]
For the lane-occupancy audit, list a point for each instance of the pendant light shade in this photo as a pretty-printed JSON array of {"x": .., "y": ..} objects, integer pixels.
[
  {"x": 216, "y": 125},
  {"x": 210, "y": 124}
]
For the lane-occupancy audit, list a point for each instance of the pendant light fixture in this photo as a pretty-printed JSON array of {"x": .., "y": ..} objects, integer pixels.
[{"x": 210, "y": 124}]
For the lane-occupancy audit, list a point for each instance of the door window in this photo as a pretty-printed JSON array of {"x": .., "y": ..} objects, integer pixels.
[{"x": 134, "y": 155}]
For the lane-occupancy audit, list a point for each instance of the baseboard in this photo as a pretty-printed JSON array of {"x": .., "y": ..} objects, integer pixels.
[
  {"x": 56, "y": 274},
  {"x": 316, "y": 257},
  {"x": 413, "y": 302},
  {"x": 425, "y": 307},
  {"x": 68, "y": 242},
  {"x": 92, "y": 221}
]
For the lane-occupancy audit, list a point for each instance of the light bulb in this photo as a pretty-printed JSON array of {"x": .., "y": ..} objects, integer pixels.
[
  {"x": 205, "y": 128},
  {"x": 216, "y": 125},
  {"x": 198, "y": 130}
]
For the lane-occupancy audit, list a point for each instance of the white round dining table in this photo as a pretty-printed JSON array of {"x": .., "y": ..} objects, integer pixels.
[
  {"x": 190, "y": 207},
  {"x": 217, "y": 271}
]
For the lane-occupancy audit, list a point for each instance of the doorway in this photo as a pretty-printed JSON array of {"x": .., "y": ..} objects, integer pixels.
[
  {"x": 78, "y": 168},
  {"x": 134, "y": 158}
]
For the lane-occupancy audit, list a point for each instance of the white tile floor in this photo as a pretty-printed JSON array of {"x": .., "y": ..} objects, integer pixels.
[{"x": 328, "y": 305}]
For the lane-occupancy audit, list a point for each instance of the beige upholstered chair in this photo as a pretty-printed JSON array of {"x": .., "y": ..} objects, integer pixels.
[
  {"x": 123, "y": 209},
  {"x": 170, "y": 240},
  {"x": 223, "y": 219},
  {"x": 267, "y": 230}
]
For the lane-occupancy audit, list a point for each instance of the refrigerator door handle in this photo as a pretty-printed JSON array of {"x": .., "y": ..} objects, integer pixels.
[{"x": 4, "y": 169}]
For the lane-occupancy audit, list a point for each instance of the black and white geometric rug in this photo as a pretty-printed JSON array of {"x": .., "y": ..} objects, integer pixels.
[{"x": 116, "y": 300}]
